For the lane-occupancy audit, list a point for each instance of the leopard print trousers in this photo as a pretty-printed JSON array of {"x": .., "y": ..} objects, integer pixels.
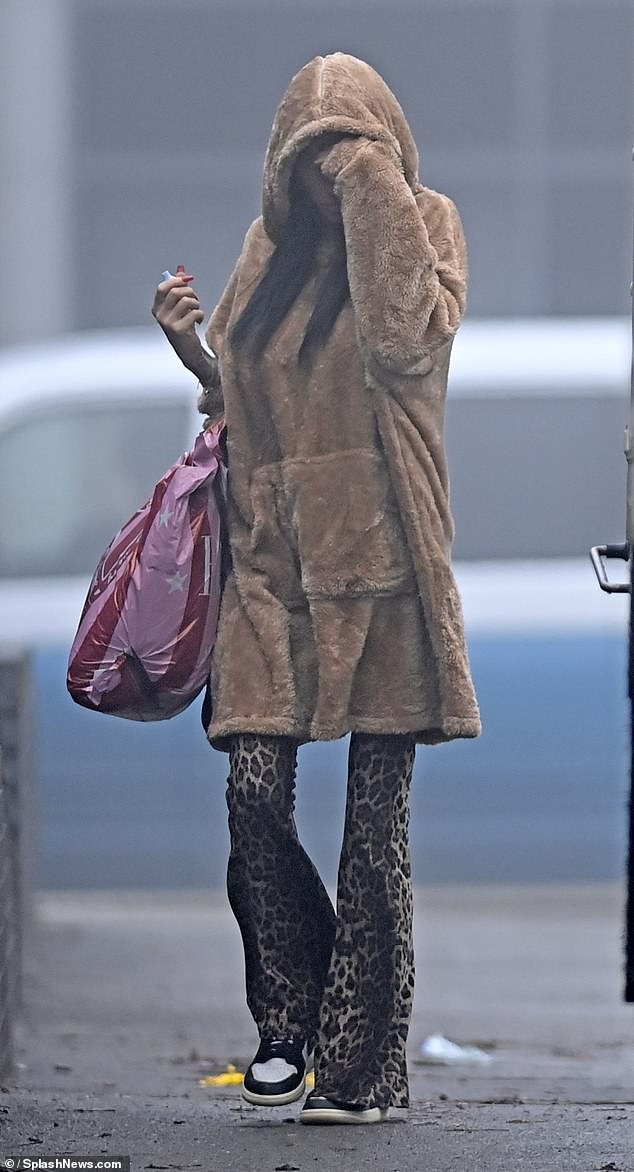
[{"x": 344, "y": 981}]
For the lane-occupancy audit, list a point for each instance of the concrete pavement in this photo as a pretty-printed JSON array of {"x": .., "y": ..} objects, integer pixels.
[{"x": 132, "y": 997}]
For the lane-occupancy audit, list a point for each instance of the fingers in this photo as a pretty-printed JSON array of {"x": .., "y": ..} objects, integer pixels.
[
  {"x": 176, "y": 306},
  {"x": 178, "y": 294},
  {"x": 172, "y": 282},
  {"x": 195, "y": 317}
]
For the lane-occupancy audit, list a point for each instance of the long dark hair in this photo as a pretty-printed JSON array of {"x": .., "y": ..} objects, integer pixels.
[{"x": 290, "y": 266}]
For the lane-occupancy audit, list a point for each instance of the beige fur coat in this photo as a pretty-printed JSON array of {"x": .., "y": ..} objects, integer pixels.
[{"x": 341, "y": 611}]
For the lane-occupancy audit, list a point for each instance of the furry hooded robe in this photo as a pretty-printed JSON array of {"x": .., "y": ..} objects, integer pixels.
[{"x": 341, "y": 611}]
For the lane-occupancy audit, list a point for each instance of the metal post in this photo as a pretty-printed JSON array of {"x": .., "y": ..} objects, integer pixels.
[
  {"x": 16, "y": 827},
  {"x": 629, "y": 434},
  {"x": 628, "y": 991}
]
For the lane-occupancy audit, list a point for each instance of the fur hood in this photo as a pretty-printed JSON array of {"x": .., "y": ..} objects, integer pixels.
[{"x": 333, "y": 94}]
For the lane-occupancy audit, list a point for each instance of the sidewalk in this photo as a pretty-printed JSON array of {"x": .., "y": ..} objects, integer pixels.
[{"x": 134, "y": 997}]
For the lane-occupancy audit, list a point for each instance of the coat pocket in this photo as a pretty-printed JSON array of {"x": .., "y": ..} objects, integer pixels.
[
  {"x": 272, "y": 549},
  {"x": 347, "y": 525}
]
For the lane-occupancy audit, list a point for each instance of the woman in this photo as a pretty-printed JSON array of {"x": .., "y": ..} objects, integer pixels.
[{"x": 340, "y": 612}]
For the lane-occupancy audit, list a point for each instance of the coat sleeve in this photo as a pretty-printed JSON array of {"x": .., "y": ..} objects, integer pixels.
[{"x": 407, "y": 265}]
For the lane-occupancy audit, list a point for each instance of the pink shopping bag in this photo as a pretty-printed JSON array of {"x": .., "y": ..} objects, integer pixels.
[{"x": 147, "y": 630}]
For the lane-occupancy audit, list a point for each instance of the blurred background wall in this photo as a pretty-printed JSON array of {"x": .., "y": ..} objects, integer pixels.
[{"x": 133, "y": 136}]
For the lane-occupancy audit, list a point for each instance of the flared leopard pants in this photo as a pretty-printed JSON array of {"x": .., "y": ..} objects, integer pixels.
[{"x": 344, "y": 981}]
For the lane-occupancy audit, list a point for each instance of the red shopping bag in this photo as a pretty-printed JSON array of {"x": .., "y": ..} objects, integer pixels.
[{"x": 147, "y": 630}]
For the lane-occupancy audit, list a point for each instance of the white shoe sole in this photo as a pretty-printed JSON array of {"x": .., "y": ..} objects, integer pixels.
[
  {"x": 273, "y": 1100},
  {"x": 340, "y": 1115}
]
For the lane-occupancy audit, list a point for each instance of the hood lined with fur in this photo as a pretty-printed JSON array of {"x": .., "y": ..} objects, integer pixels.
[{"x": 337, "y": 94}]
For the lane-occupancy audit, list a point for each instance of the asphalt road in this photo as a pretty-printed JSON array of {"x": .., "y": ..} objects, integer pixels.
[{"x": 132, "y": 998}]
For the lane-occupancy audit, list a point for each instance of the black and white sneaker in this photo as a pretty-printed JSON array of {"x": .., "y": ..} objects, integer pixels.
[
  {"x": 320, "y": 1109},
  {"x": 277, "y": 1074}
]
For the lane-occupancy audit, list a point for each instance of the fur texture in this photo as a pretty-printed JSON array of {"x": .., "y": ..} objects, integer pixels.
[{"x": 341, "y": 612}]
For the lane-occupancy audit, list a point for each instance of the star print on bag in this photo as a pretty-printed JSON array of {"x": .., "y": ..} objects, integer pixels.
[{"x": 177, "y": 581}]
